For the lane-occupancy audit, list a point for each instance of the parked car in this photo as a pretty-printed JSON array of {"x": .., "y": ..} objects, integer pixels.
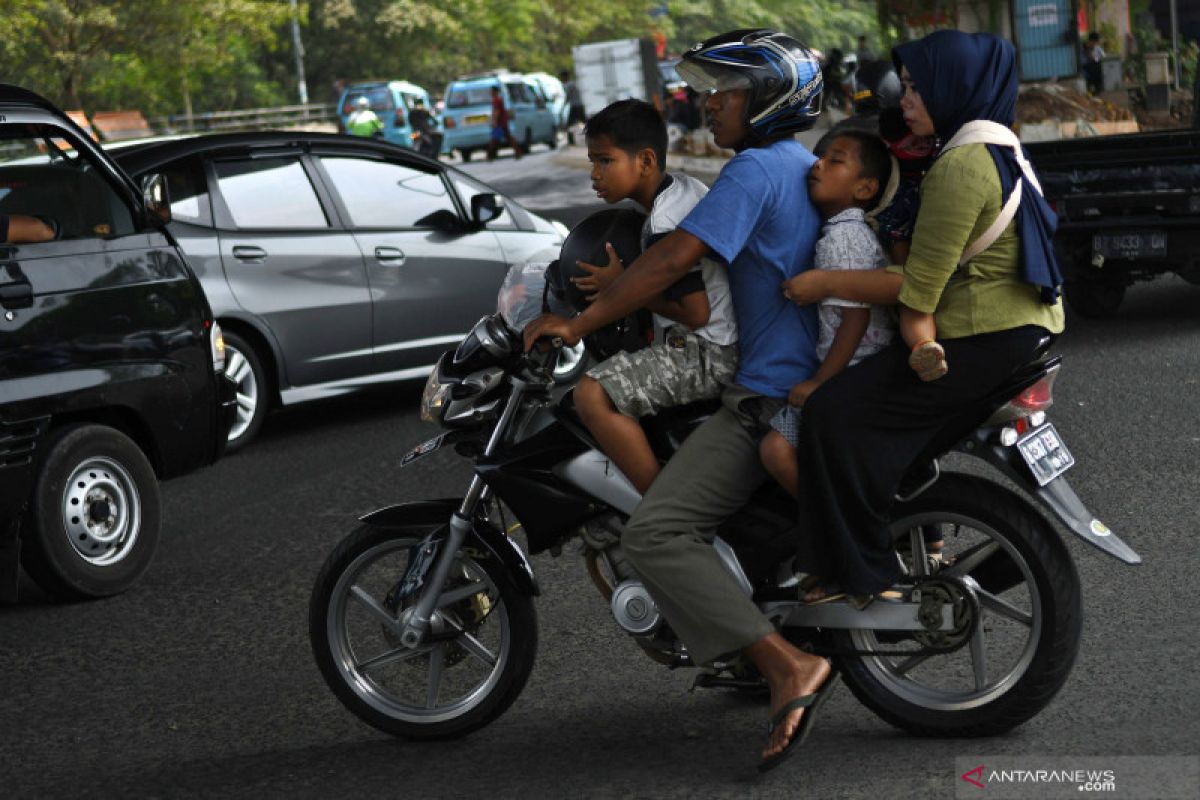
[
  {"x": 334, "y": 262},
  {"x": 468, "y": 113},
  {"x": 110, "y": 361},
  {"x": 392, "y": 102}
]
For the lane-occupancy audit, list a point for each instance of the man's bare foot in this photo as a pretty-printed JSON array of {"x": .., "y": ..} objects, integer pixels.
[{"x": 807, "y": 676}]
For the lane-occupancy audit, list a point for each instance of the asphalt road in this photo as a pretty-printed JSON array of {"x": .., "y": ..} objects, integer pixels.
[{"x": 200, "y": 683}]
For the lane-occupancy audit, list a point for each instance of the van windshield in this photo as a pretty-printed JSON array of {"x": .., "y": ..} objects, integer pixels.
[
  {"x": 469, "y": 96},
  {"x": 379, "y": 97}
]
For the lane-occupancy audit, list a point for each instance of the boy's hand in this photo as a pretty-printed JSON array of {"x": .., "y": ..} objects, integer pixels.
[
  {"x": 805, "y": 288},
  {"x": 550, "y": 325},
  {"x": 801, "y": 391},
  {"x": 599, "y": 278}
]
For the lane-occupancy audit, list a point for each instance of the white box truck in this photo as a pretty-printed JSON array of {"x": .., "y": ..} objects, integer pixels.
[{"x": 609, "y": 71}]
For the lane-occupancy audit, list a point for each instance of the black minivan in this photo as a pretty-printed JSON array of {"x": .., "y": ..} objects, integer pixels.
[{"x": 111, "y": 363}]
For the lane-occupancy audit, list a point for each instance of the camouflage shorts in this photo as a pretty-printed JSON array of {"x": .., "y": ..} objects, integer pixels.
[{"x": 683, "y": 370}]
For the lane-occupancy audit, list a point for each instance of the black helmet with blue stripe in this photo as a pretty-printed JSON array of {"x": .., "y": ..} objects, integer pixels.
[{"x": 781, "y": 75}]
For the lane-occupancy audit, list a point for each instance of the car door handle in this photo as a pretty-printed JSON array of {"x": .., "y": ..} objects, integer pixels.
[
  {"x": 393, "y": 256},
  {"x": 254, "y": 255}
]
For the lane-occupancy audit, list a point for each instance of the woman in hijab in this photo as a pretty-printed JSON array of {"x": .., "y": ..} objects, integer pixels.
[{"x": 981, "y": 263}]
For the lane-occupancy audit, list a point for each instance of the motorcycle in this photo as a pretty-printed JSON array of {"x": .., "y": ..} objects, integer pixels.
[
  {"x": 422, "y": 619},
  {"x": 427, "y": 142}
]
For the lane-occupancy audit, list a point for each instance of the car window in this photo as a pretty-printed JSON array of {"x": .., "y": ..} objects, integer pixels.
[
  {"x": 188, "y": 189},
  {"x": 517, "y": 93},
  {"x": 462, "y": 96},
  {"x": 43, "y": 174},
  {"x": 269, "y": 193},
  {"x": 385, "y": 194},
  {"x": 468, "y": 187}
]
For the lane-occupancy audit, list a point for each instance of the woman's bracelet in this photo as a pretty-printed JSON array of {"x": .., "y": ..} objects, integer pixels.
[{"x": 922, "y": 343}]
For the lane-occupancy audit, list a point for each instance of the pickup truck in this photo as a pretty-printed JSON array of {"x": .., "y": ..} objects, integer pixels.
[
  {"x": 1128, "y": 209},
  {"x": 111, "y": 363}
]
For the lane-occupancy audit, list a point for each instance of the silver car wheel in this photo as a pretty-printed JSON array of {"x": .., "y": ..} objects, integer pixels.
[
  {"x": 101, "y": 511},
  {"x": 238, "y": 369}
]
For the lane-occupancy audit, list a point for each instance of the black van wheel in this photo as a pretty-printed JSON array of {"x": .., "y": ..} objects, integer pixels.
[
  {"x": 244, "y": 368},
  {"x": 93, "y": 525}
]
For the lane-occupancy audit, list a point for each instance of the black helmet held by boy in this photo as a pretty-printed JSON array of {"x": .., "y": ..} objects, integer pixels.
[
  {"x": 781, "y": 75},
  {"x": 622, "y": 227}
]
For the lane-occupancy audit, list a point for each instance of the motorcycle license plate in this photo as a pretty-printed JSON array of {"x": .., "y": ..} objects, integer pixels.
[
  {"x": 1045, "y": 453},
  {"x": 423, "y": 449}
]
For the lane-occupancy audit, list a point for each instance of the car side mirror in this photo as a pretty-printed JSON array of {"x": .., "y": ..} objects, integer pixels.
[
  {"x": 485, "y": 208},
  {"x": 157, "y": 199}
]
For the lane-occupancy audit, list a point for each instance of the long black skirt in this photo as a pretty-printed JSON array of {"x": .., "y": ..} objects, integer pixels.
[{"x": 863, "y": 429}]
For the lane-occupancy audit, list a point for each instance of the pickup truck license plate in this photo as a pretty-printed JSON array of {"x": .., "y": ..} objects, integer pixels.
[
  {"x": 423, "y": 449},
  {"x": 1131, "y": 244},
  {"x": 1045, "y": 453},
  {"x": 478, "y": 119}
]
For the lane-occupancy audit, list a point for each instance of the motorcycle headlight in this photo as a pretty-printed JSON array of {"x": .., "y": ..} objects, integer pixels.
[{"x": 433, "y": 399}]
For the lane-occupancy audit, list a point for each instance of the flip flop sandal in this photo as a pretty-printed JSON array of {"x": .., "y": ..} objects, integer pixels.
[
  {"x": 928, "y": 360},
  {"x": 811, "y": 702}
]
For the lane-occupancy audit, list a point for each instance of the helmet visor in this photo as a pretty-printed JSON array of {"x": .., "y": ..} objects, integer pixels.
[{"x": 704, "y": 77}]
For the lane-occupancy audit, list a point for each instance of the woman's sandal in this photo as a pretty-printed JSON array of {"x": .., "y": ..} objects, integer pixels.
[
  {"x": 832, "y": 593},
  {"x": 928, "y": 360}
]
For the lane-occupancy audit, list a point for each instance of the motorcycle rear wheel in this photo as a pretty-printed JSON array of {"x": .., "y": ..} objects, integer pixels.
[
  {"x": 441, "y": 689},
  {"x": 1025, "y": 643}
]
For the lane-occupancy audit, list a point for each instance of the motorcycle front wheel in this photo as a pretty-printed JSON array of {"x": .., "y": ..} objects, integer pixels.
[
  {"x": 473, "y": 664},
  {"x": 1017, "y": 653}
]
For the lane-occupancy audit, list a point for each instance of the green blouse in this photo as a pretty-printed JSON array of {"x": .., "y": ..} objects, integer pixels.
[{"x": 960, "y": 198}]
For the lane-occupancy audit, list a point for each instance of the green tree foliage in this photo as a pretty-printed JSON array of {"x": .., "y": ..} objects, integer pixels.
[
  {"x": 158, "y": 56},
  {"x": 178, "y": 56}
]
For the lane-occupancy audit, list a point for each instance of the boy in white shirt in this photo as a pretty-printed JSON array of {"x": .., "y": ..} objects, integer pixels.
[{"x": 694, "y": 354}]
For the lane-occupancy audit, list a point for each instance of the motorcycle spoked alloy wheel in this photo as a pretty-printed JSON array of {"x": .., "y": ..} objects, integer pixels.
[
  {"x": 1022, "y": 647},
  {"x": 473, "y": 664}
]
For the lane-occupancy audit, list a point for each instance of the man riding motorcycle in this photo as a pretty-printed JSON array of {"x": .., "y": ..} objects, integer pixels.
[
  {"x": 427, "y": 140},
  {"x": 763, "y": 87}
]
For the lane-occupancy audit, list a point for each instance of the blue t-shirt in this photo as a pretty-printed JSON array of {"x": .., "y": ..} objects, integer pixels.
[{"x": 758, "y": 218}]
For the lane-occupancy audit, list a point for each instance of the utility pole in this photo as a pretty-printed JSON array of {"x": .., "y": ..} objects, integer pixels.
[
  {"x": 298, "y": 46},
  {"x": 1175, "y": 40}
]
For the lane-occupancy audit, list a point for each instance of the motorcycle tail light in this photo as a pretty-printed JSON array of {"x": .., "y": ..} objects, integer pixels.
[
  {"x": 1037, "y": 397},
  {"x": 1028, "y": 407}
]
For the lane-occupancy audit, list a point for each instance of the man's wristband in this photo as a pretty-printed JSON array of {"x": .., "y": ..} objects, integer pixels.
[{"x": 922, "y": 343}]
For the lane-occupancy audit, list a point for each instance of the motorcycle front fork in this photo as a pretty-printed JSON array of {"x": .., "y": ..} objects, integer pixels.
[
  {"x": 441, "y": 552},
  {"x": 438, "y": 553}
]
